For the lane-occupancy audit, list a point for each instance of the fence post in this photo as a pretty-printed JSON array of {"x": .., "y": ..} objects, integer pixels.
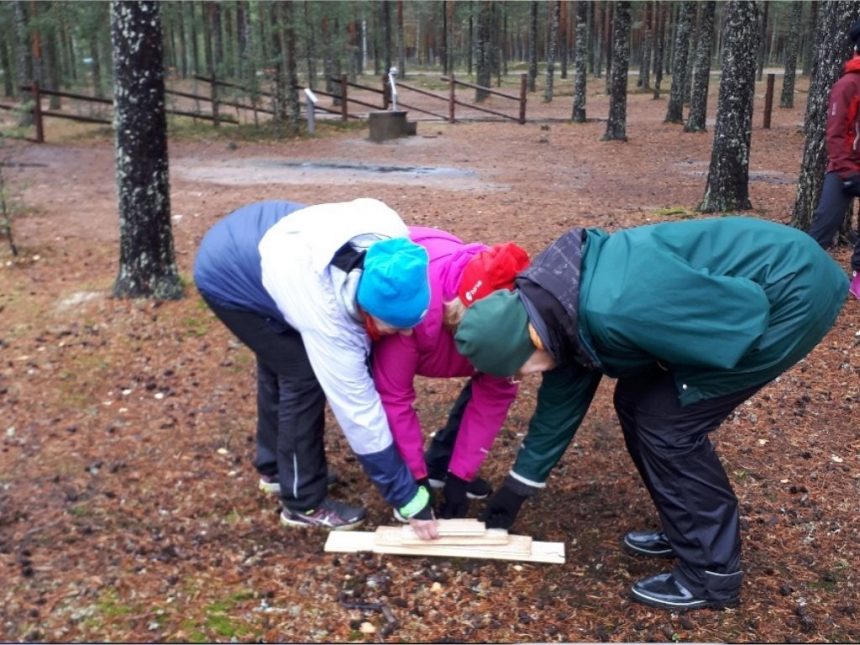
[
  {"x": 216, "y": 120},
  {"x": 768, "y": 101},
  {"x": 524, "y": 92},
  {"x": 386, "y": 92},
  {"x": 451, "y": 98},
  {"x": 344, "y": 111},
  {"x": 37, "y": 113}
]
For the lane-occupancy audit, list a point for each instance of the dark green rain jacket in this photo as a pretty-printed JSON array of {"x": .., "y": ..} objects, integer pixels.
[{"x": 724, "y": 304}]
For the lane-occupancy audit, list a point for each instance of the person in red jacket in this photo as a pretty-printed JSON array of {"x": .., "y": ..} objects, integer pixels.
[{"x": 842, "y": 139}]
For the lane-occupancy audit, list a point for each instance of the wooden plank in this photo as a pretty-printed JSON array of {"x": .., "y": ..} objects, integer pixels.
[
  {"x": 457, "y": 526},
  {"x": 355, "y": 541},
  {"x": 404, "y": 536}
]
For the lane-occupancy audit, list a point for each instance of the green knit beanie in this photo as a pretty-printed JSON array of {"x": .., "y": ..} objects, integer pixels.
[{"x": 494, "y": 334}]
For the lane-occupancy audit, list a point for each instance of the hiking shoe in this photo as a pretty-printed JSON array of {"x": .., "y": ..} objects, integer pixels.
[
  {"x": 478, "y": 488},
  {"x": 269, "y": 483},
  {"x": 664, "y": 591},
  {"x": 855, "y": 284},
  {"x": 650, "y": 543},
  {"x": 330, "y": 514}
]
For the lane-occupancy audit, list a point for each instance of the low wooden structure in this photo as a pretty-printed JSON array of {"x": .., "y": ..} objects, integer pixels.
[{"x": 457, "y": 539}]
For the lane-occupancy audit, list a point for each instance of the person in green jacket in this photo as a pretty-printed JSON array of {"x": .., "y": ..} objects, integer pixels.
[{"x": 692, "y": 318}]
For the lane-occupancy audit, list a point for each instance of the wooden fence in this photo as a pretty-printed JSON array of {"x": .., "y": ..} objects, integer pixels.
[{"x": 341, "y": 101}]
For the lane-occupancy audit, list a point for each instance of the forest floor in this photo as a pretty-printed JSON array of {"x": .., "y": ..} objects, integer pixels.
[{"x": 129, "y": 509}]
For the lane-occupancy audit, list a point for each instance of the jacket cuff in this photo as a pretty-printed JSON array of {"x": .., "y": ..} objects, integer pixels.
[
  {"x": 416, "y": 504},
  {"x": 521, "y": 485}
]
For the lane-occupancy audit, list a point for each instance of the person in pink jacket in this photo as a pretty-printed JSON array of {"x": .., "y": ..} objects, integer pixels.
[{"x": 459, "y": 275}]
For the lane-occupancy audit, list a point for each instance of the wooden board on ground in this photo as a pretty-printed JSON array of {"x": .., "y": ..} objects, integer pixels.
[
  {"x": 405, "y": 536},
  {"x": 518, "y": 547}
]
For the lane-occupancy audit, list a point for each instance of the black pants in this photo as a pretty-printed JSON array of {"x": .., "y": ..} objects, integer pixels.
[
  {"x": 438, "y": 454},
  {"x": 670, "y": 446},
  {"x": 290, "y": 408},
  {"x": 829, "y": 215}
]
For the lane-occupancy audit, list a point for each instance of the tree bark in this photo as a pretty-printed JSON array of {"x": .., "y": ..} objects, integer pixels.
[
  {"x": 147, "y": 264},
  {"x": 555, "y": 14},
  {"x": 834, "y": 19},
  {"x": 484, "y": 44},
  {"x": 811, "y": 38},
  {"x": 581, "y": 46},
  {"x": 675, "y": 108},
  {"x": 696, "y": 119},
  {"x": 24, "y": 64},
  {"x": 728, "y": 176},
  {"x": 533, "y": 34},
  {"x": 786, "y": 99},
  {"x": 762, "y": 45},
  {"x": 616, "y": 124},
  {"x": 660, "y": 44},
  {"x": 647, "y": 42}
]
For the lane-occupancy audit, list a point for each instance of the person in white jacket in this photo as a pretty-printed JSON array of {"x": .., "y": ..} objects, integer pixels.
[{"x": 307, "y": 288}]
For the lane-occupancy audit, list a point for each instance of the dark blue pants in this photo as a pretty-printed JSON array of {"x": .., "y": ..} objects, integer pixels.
[
  {"x": 829, "y": 215},
  {"x": 290, "y": 408},
  {"x": 438, "y": 454},
  {"x": 670, "y": 447}
]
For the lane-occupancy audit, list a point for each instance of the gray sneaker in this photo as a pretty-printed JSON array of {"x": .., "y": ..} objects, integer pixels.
[
  {"x": 330, "y": 514},
  {"x": 269, "y": 483}
]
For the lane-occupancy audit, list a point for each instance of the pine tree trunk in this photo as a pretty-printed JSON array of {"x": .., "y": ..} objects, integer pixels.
[
  {"x": 147, "y": 264},
  {"x": 581, "y": 48},
  {"x": 762, "y": 45},
  {"x": 647, "y": 43},
  {"x": 675, "y": 107},
  {"x": 616, "y": 124},
  {"x": 834, "y": 49},
  {"x": 24, "y": 66},
  {"x": 564, "y": 45},
  {"x": 786, "y": 99},
  {"x": 691, "y": 55},
  {"x": 555, "y": 13},
  {"x": 293, "y": 109},
  {"x": 195, "y": 49},
  {"x": 483, "y": 63},
  {"x": 310, "y": 46},
  {"x": 728, "y": 176},
  {"x": 659, "y": 44},
  {"x": 279, "y": 82},
  {"x": 386, "y": 34},
  {"x": 8, "y": 72},
  {"x": 696, "y": 120},
  {"x": 401, "y": 42},
  {"x": 811, "y": 36},
  {"x": 533, "y": 35}
]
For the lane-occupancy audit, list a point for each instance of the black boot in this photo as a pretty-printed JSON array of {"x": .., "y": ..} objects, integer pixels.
[
  {"x": 664, "y": 591},
  {"x": 650, "y": 543}
]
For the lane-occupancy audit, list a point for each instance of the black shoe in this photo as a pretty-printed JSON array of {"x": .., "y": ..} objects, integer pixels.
[
  {"x": 665, "y": 592},
  {"x": 651, "y": 543},
  {"x": 478, "y": 488}
]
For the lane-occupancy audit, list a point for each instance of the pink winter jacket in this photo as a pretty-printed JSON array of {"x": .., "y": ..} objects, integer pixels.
[{"x": 430, "y": 351}]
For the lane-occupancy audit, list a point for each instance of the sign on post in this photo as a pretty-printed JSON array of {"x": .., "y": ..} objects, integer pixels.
[{"x": 312, "y": 101}]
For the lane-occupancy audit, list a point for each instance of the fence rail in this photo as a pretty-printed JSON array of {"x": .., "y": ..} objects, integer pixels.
[{"x": 344, "y": 97}]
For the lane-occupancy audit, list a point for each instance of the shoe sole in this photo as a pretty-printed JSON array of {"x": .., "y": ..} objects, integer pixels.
[
  {"x": 671, "y": 606},
  {"x": 285, "y": 521},
  {"x": 635, "y": 550}
]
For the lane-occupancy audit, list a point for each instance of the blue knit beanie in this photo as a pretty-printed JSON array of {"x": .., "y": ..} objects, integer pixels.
[{"x": 394, "y": 286}]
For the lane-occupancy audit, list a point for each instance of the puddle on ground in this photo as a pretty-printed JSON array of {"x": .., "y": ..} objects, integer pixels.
[{"x": 244, "y": 172}]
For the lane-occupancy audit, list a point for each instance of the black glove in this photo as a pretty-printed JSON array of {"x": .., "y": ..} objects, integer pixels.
[
  {"x": 502, "y": 508},
  {"x": 456, "y": 503},
  {"x": 851, "y": 185}
]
